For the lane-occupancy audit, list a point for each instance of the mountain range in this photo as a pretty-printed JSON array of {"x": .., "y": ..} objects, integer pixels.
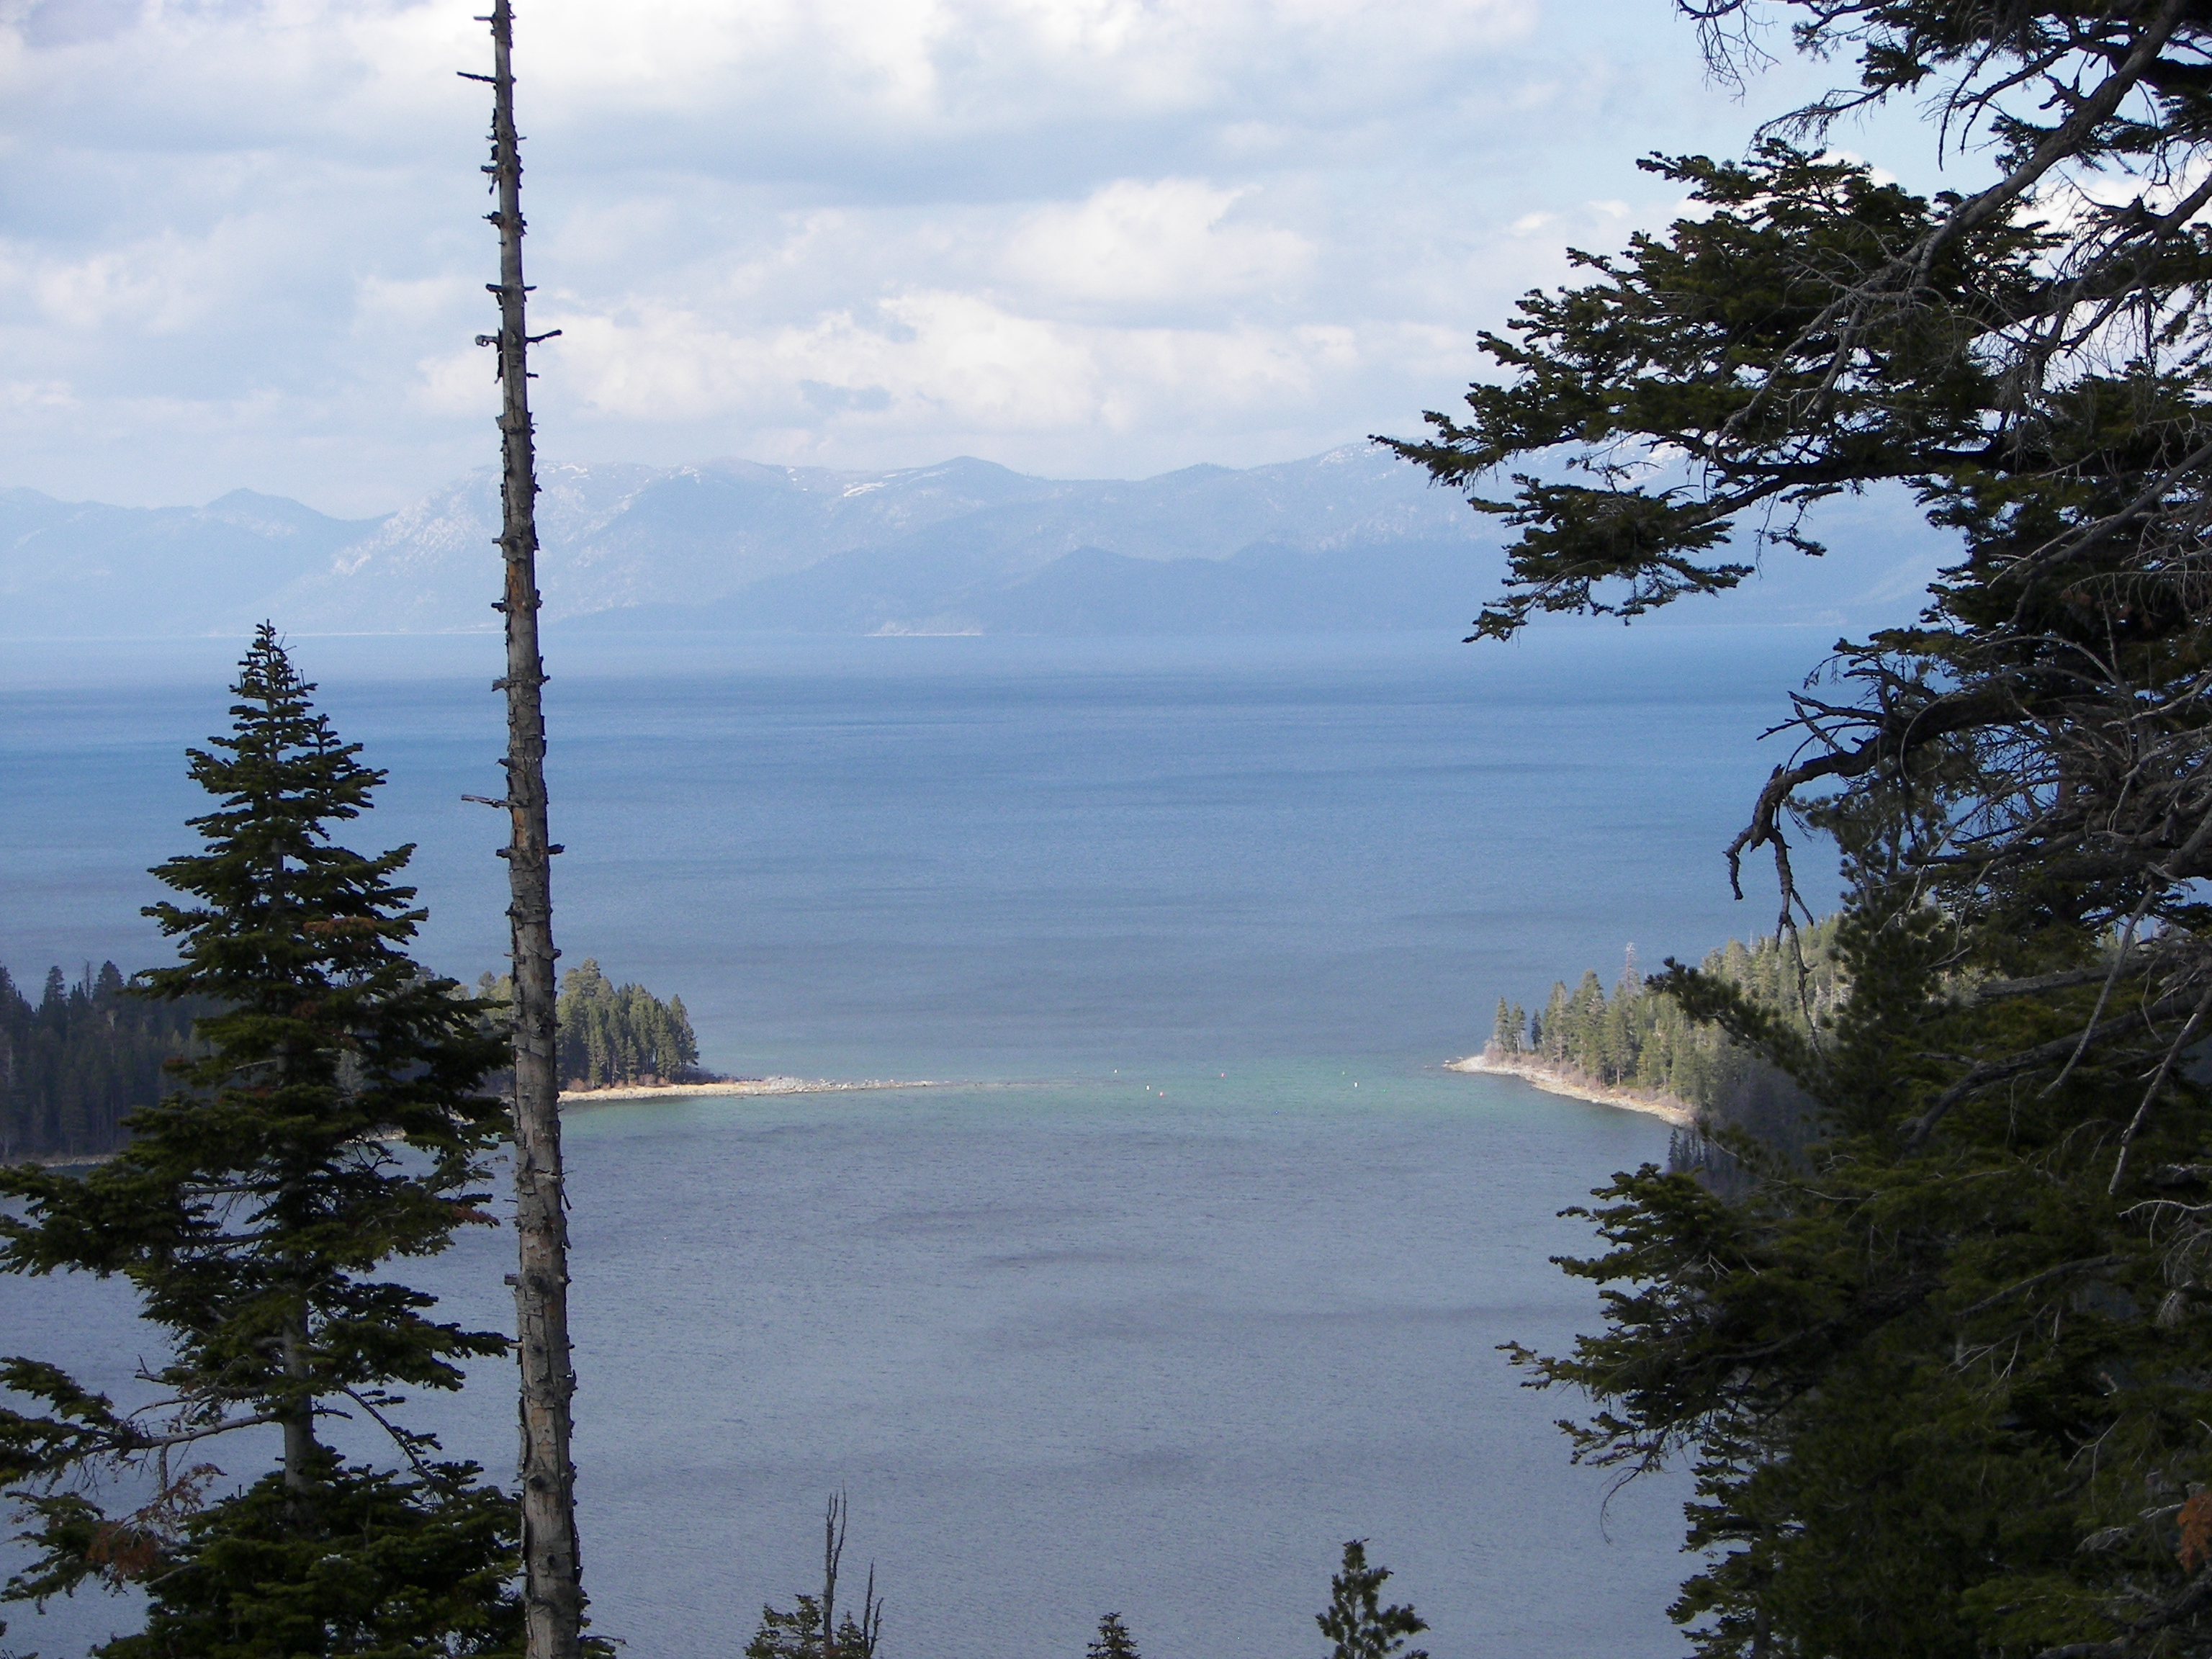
[{"x": 1350, "y": 539}]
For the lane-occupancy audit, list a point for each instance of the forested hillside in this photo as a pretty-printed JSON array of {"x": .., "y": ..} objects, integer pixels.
[{"x": 81, "y": 1060}]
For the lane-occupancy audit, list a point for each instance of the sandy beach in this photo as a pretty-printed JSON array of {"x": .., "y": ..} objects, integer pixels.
[
  {"x": 751, "y": 1086},
  {"x": 1551, "y": 1080}
]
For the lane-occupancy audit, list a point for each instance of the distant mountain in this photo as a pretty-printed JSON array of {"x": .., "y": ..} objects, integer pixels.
[
  {"x": 73, "y": 569},
  {"x": 738, "y": 546},
  {"x": 1351, "y": 539},
  {"x": 1260, "y": 589}
]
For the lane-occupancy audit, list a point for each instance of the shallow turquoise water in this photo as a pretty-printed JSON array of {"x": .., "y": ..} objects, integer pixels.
[{"x": 1155, "y": 1308}]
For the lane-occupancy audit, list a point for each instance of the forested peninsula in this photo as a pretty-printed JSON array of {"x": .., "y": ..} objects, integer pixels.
[
  {"x": 1639, "y": 1039},
  {"x": 612, "y": 1035},
  {"x": 76, "y": 1063}
]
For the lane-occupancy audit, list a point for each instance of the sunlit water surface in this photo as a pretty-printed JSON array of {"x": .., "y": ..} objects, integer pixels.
[{"x": 1194, "y": 1265}]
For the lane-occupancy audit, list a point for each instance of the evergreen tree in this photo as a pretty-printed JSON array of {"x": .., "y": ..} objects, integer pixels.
[
  {"x": 1356, "y": 1622},
  {"x": 1944, "y": 1372},
  {"x": 797, "y": 1634},
  {"x": 1642, "y": 1037},
  {"x": 1554, "y": 1022},
  {"x": 255, "y": 1210},
  {"x": 1505, "y": 1030},
  {"x": 1112, "y": 1640}
]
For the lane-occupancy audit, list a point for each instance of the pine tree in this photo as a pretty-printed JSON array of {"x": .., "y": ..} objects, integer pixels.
[
  {"x": 255, "y": 1210},
  {"x": 1112, "y": 1640},
  {"x": 1942, "y": 1370},
  {"x": 797, "y": 1634},
  {"x": 1554, "y": 1023},
  {"x": 685, "y": 1050},
  {"x": 1356, "y": 1621},
  {"x": 793, "y": 1634}
]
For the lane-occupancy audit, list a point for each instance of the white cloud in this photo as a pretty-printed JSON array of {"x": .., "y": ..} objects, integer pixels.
[
  {"x": 1147, "y": 242},
  {"x": 160, "y": 284},
  {"x": 1083, "y": 236},
  {"x": 987, "y": 64},
  {"x": 935, "y": 361}
]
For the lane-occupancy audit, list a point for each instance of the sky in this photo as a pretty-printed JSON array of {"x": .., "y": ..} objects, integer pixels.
[{"x": 242, "y": 241}]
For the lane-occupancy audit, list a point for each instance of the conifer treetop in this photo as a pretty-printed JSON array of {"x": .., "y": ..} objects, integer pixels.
[
  {"x": 257, "y": 1210},
  {"x": 1112, "y": 1640},
  {"x": 1356, "y": 1622}
]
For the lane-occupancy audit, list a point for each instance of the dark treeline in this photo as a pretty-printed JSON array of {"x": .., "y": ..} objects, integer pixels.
[
  {"x": 1638, "y": 1038},
  {"x": 81, "y": 1058},
  {"x": 614, "y": 1034},
  {"x": 77, "y": 1063}
]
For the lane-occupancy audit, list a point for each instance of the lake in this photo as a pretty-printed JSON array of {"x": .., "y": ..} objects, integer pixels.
[{"x": 1194, "y": 1263}]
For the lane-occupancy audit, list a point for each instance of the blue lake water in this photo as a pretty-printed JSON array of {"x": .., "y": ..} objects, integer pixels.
[{"x": 1153, "y": 1307}]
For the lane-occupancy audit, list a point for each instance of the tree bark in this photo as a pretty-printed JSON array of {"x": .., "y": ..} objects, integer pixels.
[
  {"x": 299, "y": 1415},
  {"x": 552, "y": 1562},
  {"x": 833, "y": 1552}
]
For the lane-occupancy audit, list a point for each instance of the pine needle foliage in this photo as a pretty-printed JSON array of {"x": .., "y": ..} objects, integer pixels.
[
  {"x": 1112, "y": 1640},
  {"x": 332, "y": 1125},
  {"x": 806, "y": 1632},
  {"x": 1944, "y": 1377},
  {"x": 797, "y": 1634},
  {"x": 612, "y": 1035},
  {"x": 1356, "y": 1623}
]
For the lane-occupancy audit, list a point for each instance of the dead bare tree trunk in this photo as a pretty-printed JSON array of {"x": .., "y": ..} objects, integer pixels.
[
  {"x": 871, "y": 1621},
  {"x": 870, "y": 1625},
  {"x": 552, "y": 1562},
  {"x": 833, "y": 1552}
]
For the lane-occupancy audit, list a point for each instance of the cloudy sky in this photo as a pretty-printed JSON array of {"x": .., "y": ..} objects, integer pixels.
[{"x": 241, "y": 240}]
